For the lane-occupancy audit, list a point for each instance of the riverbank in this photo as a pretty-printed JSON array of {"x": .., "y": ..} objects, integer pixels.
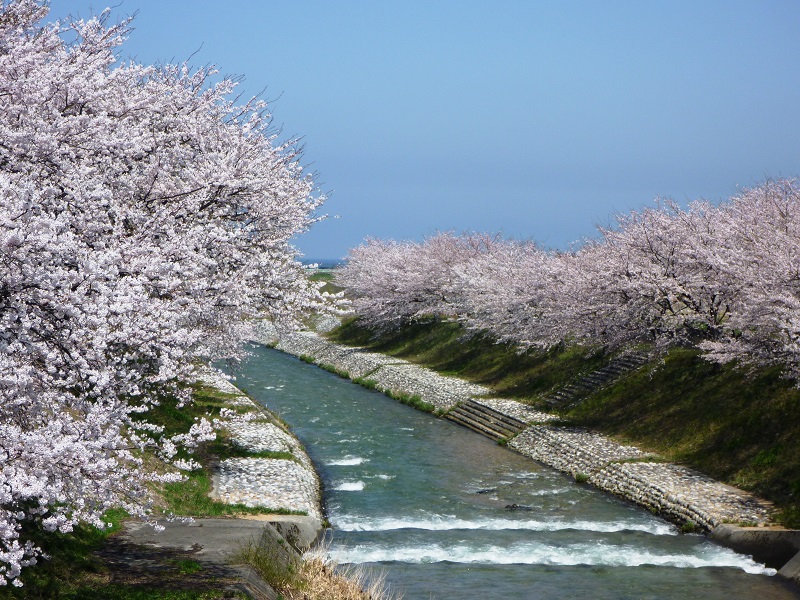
[
  {"x": 268, "y": 549},
  {"x": 278, "y": 476},
  {"x": 225, "y": 522},
  {"x": 675, "y": 492},
  {"x": 271, "y": 475}
]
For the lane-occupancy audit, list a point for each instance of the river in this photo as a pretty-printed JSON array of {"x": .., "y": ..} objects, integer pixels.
[{"x": 446, "y": 513}]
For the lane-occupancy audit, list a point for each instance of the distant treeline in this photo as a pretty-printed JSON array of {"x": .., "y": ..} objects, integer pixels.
[{"x": 724, "y": 278}]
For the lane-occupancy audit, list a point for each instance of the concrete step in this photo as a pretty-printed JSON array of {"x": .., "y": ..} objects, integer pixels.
[
  {"x": 482, "y": 428},
  {"x": 591, "y": 382},
  {"x": 488, "y": 411},
  {"x": 501, "y": 428},
  {"x": 485, "y": 420}
]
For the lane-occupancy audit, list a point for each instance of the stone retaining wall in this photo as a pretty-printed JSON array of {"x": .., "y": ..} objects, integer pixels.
[
  {"x": 683, "y": 494},
  {"x": 570, "y": 449},
  {"x": 282, "y": 484}
]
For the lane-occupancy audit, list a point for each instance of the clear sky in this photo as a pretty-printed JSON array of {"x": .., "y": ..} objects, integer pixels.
[{"x": 533, "y": 119}]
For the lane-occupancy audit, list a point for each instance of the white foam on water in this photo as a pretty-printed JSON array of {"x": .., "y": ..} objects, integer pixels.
[
  {"x": 525, "y": 475},
  {"x": 553, "y": 491},
  {"x": 349, "y": 486},
  {"x": 449, "y": 523},
  {"x": 347, "y": 461},
  {"x": 545, "y": 492},
  {"x": 347, "y": 440},
  {"x": 406, "y": 429},
  {"x": 597, "y": 554}
]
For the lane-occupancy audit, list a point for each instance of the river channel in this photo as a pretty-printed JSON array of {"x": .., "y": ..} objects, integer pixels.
[{"x": 446, "y": 513}]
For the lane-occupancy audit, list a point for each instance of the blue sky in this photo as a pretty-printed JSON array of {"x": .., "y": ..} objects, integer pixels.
[{"x": 535, "y": 119}]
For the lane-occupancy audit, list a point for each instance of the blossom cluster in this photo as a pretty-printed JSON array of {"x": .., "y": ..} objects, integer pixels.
[
  {"x": 145, "y": 220},
  {"x": 724, "y": 278}
]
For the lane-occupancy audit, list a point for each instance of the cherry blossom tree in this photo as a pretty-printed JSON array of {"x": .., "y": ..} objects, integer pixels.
[
  {"x": 510, "y": 292},
  {"x": 650, "y": 278},
  {"x": 759, "y": 248},
  {"x": 392, "y": 283},
  {"x": 724, "y": 278},
  {"x": 145, "y": 221}
]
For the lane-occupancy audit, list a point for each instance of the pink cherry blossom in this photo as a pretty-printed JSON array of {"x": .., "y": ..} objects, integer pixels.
[
  {"x": 145, "y": 221},
  {"x": 724, "y": 278}
]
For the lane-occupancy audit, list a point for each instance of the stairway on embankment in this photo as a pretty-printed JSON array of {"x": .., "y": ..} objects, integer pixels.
[
  {"x": 485, "y": 420},
  {"x": 499, "y": 426},
  {"x": 570, "y": 394}
]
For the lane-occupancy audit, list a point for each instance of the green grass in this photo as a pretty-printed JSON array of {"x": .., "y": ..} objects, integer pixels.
[
  {"x": 321, "y": 276},
  {"x": 71, "y": 560},
  {"x": 74, "y": 572},
  {"x": 412, "y": 400},
  {"x": 335, "y": 370},
  {"x": 447, "y": 348},
  {"x": 737, "y": 425},
  {"x": 328, "y": 278},
  {"x": 188, "y": 566},
  {"x": 370, "y": 384}
]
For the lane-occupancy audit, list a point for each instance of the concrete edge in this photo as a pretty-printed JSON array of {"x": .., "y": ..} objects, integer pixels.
[
  {"x": 218, "y": 541},
  {"x": 774, "y": 546},
  {"x": 791, "y": 570}
]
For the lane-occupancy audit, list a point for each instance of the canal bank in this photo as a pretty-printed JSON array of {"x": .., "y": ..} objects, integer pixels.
[
  {"x": 275, "y": 474},
  {"x": 677, "y": 493}
]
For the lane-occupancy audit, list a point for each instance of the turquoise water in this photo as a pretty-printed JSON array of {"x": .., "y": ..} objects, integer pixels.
[{"x": 430, "y": 504}]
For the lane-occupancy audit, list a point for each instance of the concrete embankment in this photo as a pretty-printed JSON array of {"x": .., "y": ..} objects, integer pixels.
[{"x": 677, "y": 493}]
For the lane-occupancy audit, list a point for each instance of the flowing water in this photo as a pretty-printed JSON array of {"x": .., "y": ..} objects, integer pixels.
[{"x": 446, "y": 513}]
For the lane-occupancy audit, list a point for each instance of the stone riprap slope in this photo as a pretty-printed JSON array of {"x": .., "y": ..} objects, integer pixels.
[
  {"x": 682, "y": 494},
  {"x": 281, "y": 484},
  {"x": 675, "y": 492},
  {"x": 572, "y": 450},
  {"x": 517, "y": 410},
  {"x": 387, "y": 374}
]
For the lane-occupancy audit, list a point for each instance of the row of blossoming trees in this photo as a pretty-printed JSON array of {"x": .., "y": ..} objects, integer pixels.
[
  {"x": 144, "y": 219},
  {"x": 724, "y": 278}
]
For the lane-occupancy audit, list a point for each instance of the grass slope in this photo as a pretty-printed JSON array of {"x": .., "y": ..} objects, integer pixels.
[
  {"x": 739, "y": 426},
  {"x": 448, "y": 349}
]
